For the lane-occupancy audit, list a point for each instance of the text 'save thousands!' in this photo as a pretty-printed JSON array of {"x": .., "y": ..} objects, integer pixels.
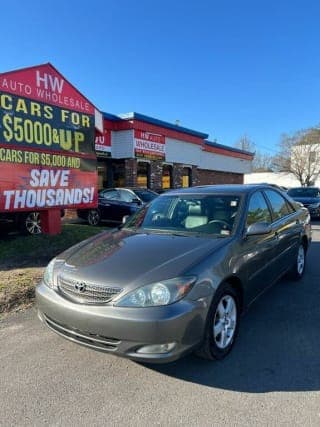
[{"x": 47, "y": 156}]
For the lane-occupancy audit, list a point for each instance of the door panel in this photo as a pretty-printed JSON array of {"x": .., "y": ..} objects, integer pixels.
[
  {"x": 258, "y": 251},
  {"x": 287, "y": 228},
  {"x": 261, "y": 270}
]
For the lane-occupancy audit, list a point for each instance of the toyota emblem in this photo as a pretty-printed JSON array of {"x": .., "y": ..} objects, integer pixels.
[{"x": 80, "y": 287}]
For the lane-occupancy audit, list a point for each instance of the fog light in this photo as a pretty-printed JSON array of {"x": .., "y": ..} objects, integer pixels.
[{"x": 157, "y": 348}]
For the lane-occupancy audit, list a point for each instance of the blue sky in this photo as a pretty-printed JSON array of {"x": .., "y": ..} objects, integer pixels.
[{"x": 226, "y": 68}]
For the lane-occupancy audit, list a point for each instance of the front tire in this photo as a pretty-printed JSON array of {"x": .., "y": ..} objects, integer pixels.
[
  {"x": 222, "y": 324},
  {"x": 94, "y": 217},
  {"x": 30, "y": 223}
]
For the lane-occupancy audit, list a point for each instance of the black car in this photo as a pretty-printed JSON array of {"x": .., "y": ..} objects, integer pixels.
[
  {"x": 24, "y": 222},
  {"x": 116, "y": 203},
  {"x": 309, "y": 197}
]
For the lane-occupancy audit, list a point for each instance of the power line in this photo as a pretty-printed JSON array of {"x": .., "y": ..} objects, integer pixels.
[{"x": 267, "y": 148}]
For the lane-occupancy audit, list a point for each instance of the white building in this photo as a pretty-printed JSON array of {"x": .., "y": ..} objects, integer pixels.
[{"x": 284, "y": 179}]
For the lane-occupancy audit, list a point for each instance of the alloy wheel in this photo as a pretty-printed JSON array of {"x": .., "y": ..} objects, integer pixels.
[
  {"x": 225, "y": 321},
  {"x": 300, "y": 260},
  {"x": 32, "y": 223},
  {"x": 93, "y": 217}
]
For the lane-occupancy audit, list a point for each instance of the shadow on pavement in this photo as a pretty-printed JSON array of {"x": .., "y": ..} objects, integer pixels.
[{"x": 278, "y": 344}]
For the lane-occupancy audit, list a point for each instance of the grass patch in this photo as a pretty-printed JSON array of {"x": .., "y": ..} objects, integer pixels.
[
  {"x": 23, "y": 259},
  {"x": 37, "y": 250}
]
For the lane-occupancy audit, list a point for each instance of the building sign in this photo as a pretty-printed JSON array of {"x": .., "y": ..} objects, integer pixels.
[
  {"x": 103, "y": 142},
  {"x": 47, "y": 130},
  {"x": 149, "y": 145}
]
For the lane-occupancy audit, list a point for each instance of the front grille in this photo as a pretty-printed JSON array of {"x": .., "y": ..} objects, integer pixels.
[
  {"x": 86, "y": 292},
  {"x": 95, "y": 341}
]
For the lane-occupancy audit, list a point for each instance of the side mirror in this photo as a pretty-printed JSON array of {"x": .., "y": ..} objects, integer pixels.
[
  {"x": 137, "y": 201},
  {"x": 258, "y": 228}
]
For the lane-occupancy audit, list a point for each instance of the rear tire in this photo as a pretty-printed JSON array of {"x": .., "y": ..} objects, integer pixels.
[
  {"x": 222, "y": 324},
  {"x": 299, "y": 266},
  {"x": 94, "y": 217}
]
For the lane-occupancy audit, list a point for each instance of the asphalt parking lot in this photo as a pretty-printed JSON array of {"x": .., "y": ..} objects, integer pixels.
[{"x": 272, "y": 377}]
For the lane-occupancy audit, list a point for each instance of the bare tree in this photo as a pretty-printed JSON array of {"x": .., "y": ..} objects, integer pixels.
[
  {"x": 261, "y": 162},
  {"x": 245, "y": 143},
  {"x": 300, "y": 155}
]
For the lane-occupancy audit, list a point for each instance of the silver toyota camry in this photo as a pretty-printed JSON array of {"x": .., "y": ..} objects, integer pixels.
[{"x": 176, "y": 276}]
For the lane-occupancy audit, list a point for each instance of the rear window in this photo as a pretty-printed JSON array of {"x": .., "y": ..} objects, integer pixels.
[
  {"x": 304, "y": 192},
  {"x": 146, "y": 196},
  {"x": 280, "y": 207}
]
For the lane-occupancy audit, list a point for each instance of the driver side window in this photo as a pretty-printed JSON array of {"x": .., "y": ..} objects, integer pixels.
[
  {"x": 258, "y": 210},
  {"x": 110, "y": 195},
  {"x": 127, "y": 196}
]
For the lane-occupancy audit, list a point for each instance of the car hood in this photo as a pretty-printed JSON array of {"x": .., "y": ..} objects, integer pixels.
[{"x": 128, "y": 259}]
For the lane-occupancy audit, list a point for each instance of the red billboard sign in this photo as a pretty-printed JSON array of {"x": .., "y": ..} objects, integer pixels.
[
  {"x": 103, "y": 142},
  {"x": 45, "y": 84},
  {"x": 149, "y": 145},
  {"x": 47, "y": 133}
]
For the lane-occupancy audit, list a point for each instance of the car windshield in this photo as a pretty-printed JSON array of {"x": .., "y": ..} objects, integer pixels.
[
  {"x": 146, "y": 195},
  {"x": 304, "y": 192},
  {"x": 189, "y": 214}
]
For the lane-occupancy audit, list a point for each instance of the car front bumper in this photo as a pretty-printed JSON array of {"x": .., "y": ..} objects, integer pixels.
[{"x": 125, "y": 331}]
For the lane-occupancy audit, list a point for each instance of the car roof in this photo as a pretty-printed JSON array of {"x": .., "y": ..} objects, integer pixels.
[
  {"x": 139, "y": 189},
  {"x": 304, "y": 188},
  {"x": 221, "y": 188},
  {"x": 127, "y": 188}
]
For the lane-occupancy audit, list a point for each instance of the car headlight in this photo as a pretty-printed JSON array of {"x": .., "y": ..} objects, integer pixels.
[
  {"x": 160, "y": 293},
  {"x": 49, "y": 275}
]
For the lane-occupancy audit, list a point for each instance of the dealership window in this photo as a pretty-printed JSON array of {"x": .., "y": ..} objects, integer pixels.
[
  {"x": 102, "y": 175},
  {"x": 166, "y": 177},
  {"x": 143, "y": 174},
  {"x": 186, "y": 177},
  {"x": 118, "y": 173}
]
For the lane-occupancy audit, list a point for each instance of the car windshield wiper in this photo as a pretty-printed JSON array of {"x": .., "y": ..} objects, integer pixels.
[
  {"x": 149, "y": 230},
  {"x": 179, "y": 233},
  {"x": 165, "y": 231}
]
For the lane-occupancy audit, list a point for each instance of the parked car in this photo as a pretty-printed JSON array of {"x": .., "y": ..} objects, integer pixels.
[
  {"x": 116, "y": 203},
  {"x": 278, "y": 187},
  {"x": 24, "y": 222},
  {"x": 309, "y": 197},
  {"x": 178, "y": 274}
]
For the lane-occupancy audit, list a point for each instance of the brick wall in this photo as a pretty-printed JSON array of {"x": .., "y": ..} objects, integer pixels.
[
  {"x": 177, "y": 170},
  {"x": 199, "y": 176},
  {"x": 206, "y": 177},
  {"x": 177, "y": 173},
  {"x": 131, "y": 172},
  {"x": 195, "y": 176},
  {"x": 156, "y": 175}
]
